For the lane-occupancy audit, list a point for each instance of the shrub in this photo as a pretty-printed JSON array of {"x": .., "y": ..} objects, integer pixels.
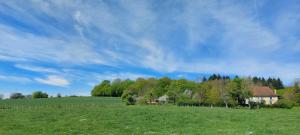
[
  {"x": 188, "y": 102},
  {"x": 284, "y": 103},
  {"x": 256, "y": 105},
  {"x": 58, "y": 95},
  {"x": 17, "y": 96},
  {"x": 141, "y": 101},
  {"x": 39, "y": 94},
  {"x": 129, "y": 98}
]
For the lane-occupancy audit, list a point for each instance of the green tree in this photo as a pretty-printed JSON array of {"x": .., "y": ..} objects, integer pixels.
[
  {"x": 296, "y": 92},
  {"x": 239, "y": 89},
  {"x": 150, "y": 96},
  {"x": 118, "y": 86},
  {"x": 172, "y": 96},
  {"x": 279, "y": 84},
  {"x": 200, "y": 93},
  {"x": 162, "y": 86},
  {"x": 246, "y": 90},
  {"x": 39, "y": 94},
  {"x": 213, "y": 97},
  {"x": 103, "y": 89},
  {"x": 17, "y": 96},
  {"x": 129, "y": 97}
]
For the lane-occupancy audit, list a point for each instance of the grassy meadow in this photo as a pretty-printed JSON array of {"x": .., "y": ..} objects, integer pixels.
[{"x": 109, "y": 116}]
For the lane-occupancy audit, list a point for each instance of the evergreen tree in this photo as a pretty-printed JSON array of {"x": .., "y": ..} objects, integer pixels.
[
  {"x": 280, "y": 84},
  {"x": 204, "y": 79},
  {"x": 255, "y": 80},
  {"x": 212, "y": 77},
  {"x": 263, "y": 82}
]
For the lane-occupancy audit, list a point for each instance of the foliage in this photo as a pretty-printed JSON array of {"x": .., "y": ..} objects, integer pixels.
[
  {"x": 111, "y": 89},
  {"x": 256, "y": 105},
  {"x": 102, "y": 89},
  {"x": 17, "y": 96},
  {"x": 284, "y": 103},
  {"x": 274, "y": 83},
  {"x": 188, "y": 102},
  {"x": 129, "y": 98},
  {"x": 217, "y": 90},
  {"x": 39, "y": 94}
]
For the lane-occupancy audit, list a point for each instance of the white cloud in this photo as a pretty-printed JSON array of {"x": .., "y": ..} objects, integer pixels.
[
  {"x": 134, "y": 34},
  {"x": 16, "y": 79},
  {"x": 36, "y": 68},
  {"x": 32, "y": 47},
  {"x": 121, "y": 75},
  {"x": 53, "y": 80}
]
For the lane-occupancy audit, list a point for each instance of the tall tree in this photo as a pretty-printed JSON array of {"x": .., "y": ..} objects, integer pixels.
[
  {"x": 102, "y": 89},
  {"x": 204, "y": 79}
]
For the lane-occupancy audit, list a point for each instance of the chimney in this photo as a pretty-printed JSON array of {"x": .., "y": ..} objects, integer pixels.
[{"x": 275, "y": 91}]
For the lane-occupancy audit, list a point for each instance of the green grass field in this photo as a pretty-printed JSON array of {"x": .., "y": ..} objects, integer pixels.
[{"x": 89, "y": 116}]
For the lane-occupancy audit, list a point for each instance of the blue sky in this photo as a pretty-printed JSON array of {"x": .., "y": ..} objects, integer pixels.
[{"x": 67, "y": 47}]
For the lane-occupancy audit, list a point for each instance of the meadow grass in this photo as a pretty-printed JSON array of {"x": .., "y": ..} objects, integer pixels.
[{"x": 89, "y": 116}]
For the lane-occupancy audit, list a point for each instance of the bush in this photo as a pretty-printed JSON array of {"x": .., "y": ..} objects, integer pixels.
[
  {"x": 141, "y": 101},
  {"x": 129, "y": 98},
  {"x": 17, "y": 96},
  {"x": 188, "y": 102},
  {"x": 39, "y": 94},
  {"x": 256, "y": 105},
  {"x": 284, "y": 103}
]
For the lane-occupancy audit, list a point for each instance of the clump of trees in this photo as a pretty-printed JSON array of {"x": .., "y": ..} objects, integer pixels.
[
  {"x": 17, "y": 96},
  {"x": 217, "y": 90},
  {"x": 274, "y": 83},
  {"x": 39, "y": 94},
  {"x": 290, "y": 96},
  {"x": 111, "y": 89}
]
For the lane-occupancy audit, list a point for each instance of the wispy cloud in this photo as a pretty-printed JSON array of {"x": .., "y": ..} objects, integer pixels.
[
  {"x": 16, "y": 79},
  {"x": 36, "y": 68},
  {"x": 165, "y": 37},
  {"x": 53, "y": 80},
  {"x": 122, "y": 75}
]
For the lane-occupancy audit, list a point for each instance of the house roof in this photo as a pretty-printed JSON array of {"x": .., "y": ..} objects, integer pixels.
[{"x": 262, "y": 92}]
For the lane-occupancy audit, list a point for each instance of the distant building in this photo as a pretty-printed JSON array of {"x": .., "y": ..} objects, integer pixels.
[
  {"x": 263, "y": 94},
  {"x": 163, "y": 99}
]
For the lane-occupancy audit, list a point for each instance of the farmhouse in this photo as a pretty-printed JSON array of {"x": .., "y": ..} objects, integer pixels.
[{"x": 263, "y": 94}]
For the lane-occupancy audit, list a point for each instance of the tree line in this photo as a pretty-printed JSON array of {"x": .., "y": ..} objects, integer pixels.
[
  {"x": 36, "y": 94},
  {"x": 217, "y": 90},
  {"x": 274, "y": 83}
]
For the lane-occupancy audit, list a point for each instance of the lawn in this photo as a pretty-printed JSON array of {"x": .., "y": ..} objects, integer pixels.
[{"x": 86, "y": 115}]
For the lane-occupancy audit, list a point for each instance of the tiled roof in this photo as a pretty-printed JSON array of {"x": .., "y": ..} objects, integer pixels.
[{"x": 262, "y": 92}]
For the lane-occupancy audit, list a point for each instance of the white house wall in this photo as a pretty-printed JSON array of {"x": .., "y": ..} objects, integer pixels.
[{"x": 267, "y": 100}]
